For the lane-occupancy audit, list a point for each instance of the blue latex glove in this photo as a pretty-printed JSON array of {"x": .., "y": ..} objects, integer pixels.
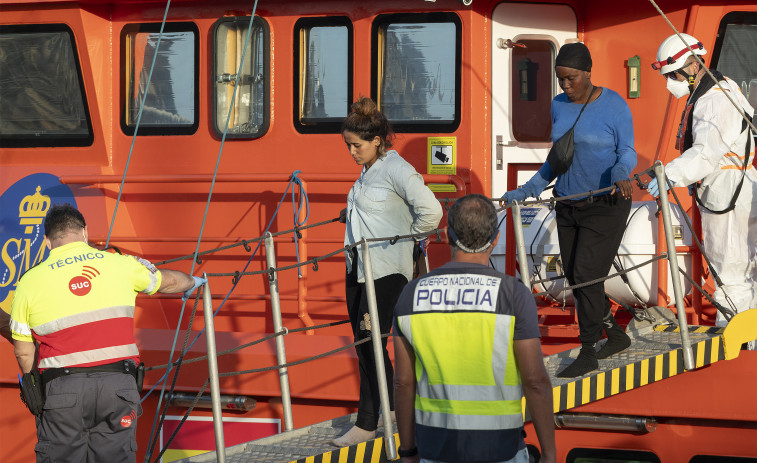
[
  {"x": 198, "y": 282},
  {"x": 514, "y": 195},
  {"x": 654, "y": 189}
]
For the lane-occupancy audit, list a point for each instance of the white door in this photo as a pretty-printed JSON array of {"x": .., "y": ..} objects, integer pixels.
[{"x": 525, "y": 41}]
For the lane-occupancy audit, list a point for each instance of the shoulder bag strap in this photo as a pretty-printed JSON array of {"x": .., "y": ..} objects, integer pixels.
[{"x": 584, "y": 107}]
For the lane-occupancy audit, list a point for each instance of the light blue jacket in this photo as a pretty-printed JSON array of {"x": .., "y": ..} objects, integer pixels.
[{"x": 389, "y": 199}]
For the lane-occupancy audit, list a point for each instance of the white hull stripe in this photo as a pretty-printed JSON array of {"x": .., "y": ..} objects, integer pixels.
[
  {"x": 83, "y": 318},
  {"x": 90, "y": 356}
]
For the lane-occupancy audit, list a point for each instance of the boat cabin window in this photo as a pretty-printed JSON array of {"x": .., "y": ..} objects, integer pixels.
[
  {"x": 416, "y": 78},
  {"x": 533, "y": 88},
  {"x": 160, "y": 71},
  {"x": 42, "y": 97},
  {"x": 582, "y": 455},
  {"x": 322, "y": 73},
  {"x": 244, "y": 51},
  {"x": 734, "y": 54}
]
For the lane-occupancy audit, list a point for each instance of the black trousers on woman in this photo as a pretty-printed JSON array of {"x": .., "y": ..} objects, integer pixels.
[
  {"x": 388, "y": 290},
  {"x": 590, "y": 234}
]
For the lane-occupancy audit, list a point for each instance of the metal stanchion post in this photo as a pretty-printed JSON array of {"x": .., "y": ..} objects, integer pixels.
[
  {"x": 688, "y": 356},
  {"x": 215, "y": 394},
  {"x": 520, "y": 246},
  {"x": 273, "y": 283},
  {"x": 370, "y": 290}
]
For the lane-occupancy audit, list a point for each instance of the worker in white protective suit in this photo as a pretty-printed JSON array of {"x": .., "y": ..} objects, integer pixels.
[{"x": 717, "y": 151}]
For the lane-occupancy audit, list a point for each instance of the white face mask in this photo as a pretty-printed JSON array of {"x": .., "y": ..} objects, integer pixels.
[{"x": 679, "y": 88}]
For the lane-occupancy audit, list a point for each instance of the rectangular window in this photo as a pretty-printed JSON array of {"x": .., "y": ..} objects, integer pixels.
[
  {"x": 239, "y": 50},
  {"x": 42, "y": 99},
  {"x": 734, "y": 51},
  {"x": 323, "y": 73},
  {"x": 533, "y": 88},
  {"x": 169, "y": 61},
  {"x": 417, "y": 70}
]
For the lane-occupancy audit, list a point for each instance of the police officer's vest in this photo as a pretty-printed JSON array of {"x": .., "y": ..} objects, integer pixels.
[{"x": 468, "y": 394}]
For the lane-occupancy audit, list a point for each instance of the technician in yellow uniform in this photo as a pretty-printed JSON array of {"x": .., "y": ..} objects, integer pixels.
[{"x": 78, "y": 305}]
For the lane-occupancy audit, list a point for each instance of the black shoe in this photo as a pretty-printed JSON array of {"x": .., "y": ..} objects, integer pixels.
[
  {"x": 613, "y": 346},
  {"x": 617, "y": 339},
  {"x": 584, "y": 363}
]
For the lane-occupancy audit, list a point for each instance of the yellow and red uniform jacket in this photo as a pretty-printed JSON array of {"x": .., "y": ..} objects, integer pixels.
[{"x": 79, "y": 305}]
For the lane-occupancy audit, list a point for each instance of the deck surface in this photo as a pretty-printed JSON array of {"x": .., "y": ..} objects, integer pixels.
[{"x": 655, "y": 354}]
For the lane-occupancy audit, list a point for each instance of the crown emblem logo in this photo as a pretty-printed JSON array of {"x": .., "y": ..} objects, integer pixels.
[{"x": 32, "y": 210}]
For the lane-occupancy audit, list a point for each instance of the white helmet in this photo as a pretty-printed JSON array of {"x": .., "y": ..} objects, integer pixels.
[{"x": 672, "y": 53}]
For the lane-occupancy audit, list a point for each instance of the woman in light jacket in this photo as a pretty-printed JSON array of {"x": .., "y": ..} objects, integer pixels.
[{"x": 388, "y": 199}]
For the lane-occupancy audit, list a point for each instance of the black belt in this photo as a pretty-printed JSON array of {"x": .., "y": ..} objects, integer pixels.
[
  {"x": 122, "y": 366},
  {"x": 608, "y": 198}
]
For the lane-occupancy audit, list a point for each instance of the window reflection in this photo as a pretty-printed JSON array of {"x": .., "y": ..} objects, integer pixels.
[
  {"x": 418, "y": 72},
  {"x": 42, "y": 101},
  {"x": 171, "y": 95},
  {"x": 324, "y": 84},
  {"x": 737, "y": 58}
]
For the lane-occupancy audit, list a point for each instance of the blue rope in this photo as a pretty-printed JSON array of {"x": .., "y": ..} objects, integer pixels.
[
  {"x": 296, "y": 211},
  {"x": 139, "y": 119},
  {"x": 204, "y": 218}
]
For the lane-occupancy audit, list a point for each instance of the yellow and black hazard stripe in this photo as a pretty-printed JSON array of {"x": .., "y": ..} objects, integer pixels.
[
  {"x": 365, "y": 452},
  {"x": 633, "y": 375},
  {"x": 692, "y": 329}
]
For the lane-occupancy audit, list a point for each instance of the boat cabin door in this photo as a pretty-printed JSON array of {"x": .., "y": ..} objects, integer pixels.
[{"x": 526, "y": 38}]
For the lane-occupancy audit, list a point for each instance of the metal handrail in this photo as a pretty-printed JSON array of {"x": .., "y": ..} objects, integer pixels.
[
  {"x": 370, "y": 290},
  {"x": 215, "y": 392},
  {"x": 688, "y": 356},
  {"x": 520, "y": 245},
  {"x": 273, "y": 283}
]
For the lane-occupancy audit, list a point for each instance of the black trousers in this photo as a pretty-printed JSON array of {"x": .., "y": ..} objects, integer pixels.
[
  {"x": 388, "y": 291},
  {"x": 590, "y": 234},
  {"x": 89, "y": 417}
]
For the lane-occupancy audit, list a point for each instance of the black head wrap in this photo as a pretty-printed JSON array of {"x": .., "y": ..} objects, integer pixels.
[{"x": 574, "y": 56}]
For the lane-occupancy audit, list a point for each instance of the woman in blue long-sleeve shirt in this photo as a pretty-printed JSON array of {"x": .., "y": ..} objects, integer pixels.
[{"x": 589, "y": 230}]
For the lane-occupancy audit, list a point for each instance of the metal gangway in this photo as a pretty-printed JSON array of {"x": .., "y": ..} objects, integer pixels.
[{"x": 663, "y": 345}]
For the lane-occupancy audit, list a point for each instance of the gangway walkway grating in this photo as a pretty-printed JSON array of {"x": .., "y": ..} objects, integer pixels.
[
  {"x": 655, "y": 354},
  {"x": 309, "y": 444}
]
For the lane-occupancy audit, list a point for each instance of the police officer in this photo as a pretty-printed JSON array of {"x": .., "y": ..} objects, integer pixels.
[
  {"x": 78, "y": 305},
  {"x": 466, "y": 350},
  {"x": 717, "y": 153}
]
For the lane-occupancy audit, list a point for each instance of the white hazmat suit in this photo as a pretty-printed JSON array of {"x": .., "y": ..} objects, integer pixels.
[{"x": 716, "y": 158}]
